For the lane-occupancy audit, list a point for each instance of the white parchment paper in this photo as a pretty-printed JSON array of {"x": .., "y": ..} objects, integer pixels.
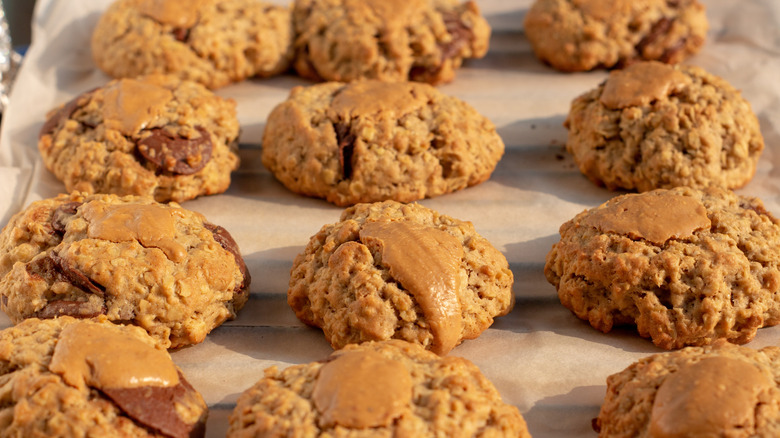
[{"x": 545, "y": 361}]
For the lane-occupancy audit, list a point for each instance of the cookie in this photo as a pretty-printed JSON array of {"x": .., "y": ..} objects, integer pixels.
[
  {"x": 389, "y": 40},
  {"x": 581, "y": 35},
  {"x": 686, "y": 266},
  {"x": 212, "y": 42},
  {"x": 390, "y": 388},
  {"x": 374, "y": 141},
  {"x": 66, "y": 377},
  {"x": 135, "y": 261},
  {"x": 722, "y": 390},
  {"x": 658, "y": 126},
  {"x": 157, "y": 135},
  {"x": 390, "y": 270}
]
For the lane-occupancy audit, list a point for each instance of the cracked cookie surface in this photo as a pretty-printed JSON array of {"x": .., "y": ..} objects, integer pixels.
[
  {"x": 389, "y": 40},
  {"x": 581, "y": 35},
  {"x": 413, "y": 393},
  {"x": 719, "y": 390},
  {"x": 658, "y": 126},
  {"x": 212, "y": 42},
  {"x": 66, "y": 377},
  {"x": 686, "y": 266},
  {"x": 391, "y": 270},
  {"x": 157, "y": 266},
  {"x": 154, "y": 135},
  {"x": 374, "y": 141}
]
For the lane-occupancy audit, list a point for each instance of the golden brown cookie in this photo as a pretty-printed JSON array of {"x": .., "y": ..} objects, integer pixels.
[
  {"x": 390, "y": 388},
  {"x": 686, "y": 266},
  {"x": 161, "y": 267},
  {"x": 66, "y": 377},
  {"x": 658, "y": 126},
  {"x": 579, "y": 35},
  {"x": 373, "y": 141},
  {"x": 390, "y": 270},
  {"x": 212, "y": 42},
  {"x": 389, "y": 40}
]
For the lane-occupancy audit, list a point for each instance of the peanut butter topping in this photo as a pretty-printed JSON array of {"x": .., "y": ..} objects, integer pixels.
[
  {"x": 371, "y": 97},
  {"x": 177, "y": 13},
  {"x": 603, "y": 9},
  {"x": 426, "y": 261},
  {"x": 130, "y": 105},
  {"x": 709, "y": 398},
  {"x": 362, "y": 389},
  {"x": 96, "y": 356},
  {"x": 153, "y": 226},
  {"x": 655, "y": 216},
  {"x": 642, "y": 83}
]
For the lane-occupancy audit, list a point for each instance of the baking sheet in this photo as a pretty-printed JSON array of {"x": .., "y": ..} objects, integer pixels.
[{"x": 545, "y": 361}]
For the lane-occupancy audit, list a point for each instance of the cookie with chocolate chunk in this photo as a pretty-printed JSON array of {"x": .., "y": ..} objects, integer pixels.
[
  {"x": 389, "y": 40},
  {"x": 686, "y": 266},
  {"x": 581, "y": 35},
  {"x": 721, "y": 390},
  {"x": 390, "y": 388},
  {"x": 212, "y": 42},
  {"x": 130, "y": 259},
  {"x": 373, "y": 141},
  {"x": 658, "y": 126},
  {"x": 154, "y": 135},
  {"x": 66, "y": 377},
  {"x": 391, "y": 270}
]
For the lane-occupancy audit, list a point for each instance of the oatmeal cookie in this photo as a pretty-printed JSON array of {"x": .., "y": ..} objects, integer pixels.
[
  {"x": 389, "y": 40},
  {"x": 66, "y": 377},
  {"x": 721, "y": 390},
  {"x": 158, "y": 266},
  {"x": 581, "y": 35},
  {"x": 390, "y": 388},
  {"x": 156, "y": 135},
  {"x": 658, "y": 126},
  {"x": 373, "y": 141},
  {"x": 212, "y": 42},
  {"x": 686, "y": 266},
  {"x": 390, "y": 270}
]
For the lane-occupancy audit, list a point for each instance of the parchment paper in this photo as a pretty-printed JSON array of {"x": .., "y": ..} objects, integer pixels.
[{"x": 545, "y": 361}]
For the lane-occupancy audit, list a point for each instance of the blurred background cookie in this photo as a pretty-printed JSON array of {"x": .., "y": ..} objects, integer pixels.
[
  {"x": 155, "y": 135},
  {"x": 580, "y": 35},
  {"x": 417, "y": 40},
  {"x": 65, "y": 377},
  {"x": 390, "y": 270},
  {"x": 658, "y": 126},
  {"x": 686, "y": 266},
  {"x": 158, "y": 266},
  {"x": 373, "y": 141},
  {"x": 212, "y": 42},
  {"x": 390, "y": 388}
]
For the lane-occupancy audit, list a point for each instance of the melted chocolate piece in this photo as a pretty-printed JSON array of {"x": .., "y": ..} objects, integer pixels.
[
  {"x": 182, "y": 156},
  {"x": 61, "y": 213},
  {"x": 155, "y": 408},
  {"x": 55, "y": 268},
  {"x": 181, "y": 34},
  {"x": 346, "y": 143},
  {"x": 661, "y": 27},
  {"x": 76, "y": 309},
  {"x": 63, "y": 113},
  {"x": 460, "y": 33},
  {"x": 223, "y": 237}
]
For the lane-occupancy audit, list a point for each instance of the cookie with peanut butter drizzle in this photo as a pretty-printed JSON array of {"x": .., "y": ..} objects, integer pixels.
[
  {"x": 155, "y": 135},
  {"x": 129, "y": 259},
  {"x": 389, "y": 40},
  {"x": 373, "y": 141},
  {"x": 719, "y": 390},
  {"x": 400, "y": 271},
  {"x": 212, "y": 42},
  {"x": 685, "y": 266},
  {"x": 581, "y": 35},
  {"x": 388, "y": 388},
  {"x": 71, "y": 377},
  {"x": 658, "y": 126}
]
